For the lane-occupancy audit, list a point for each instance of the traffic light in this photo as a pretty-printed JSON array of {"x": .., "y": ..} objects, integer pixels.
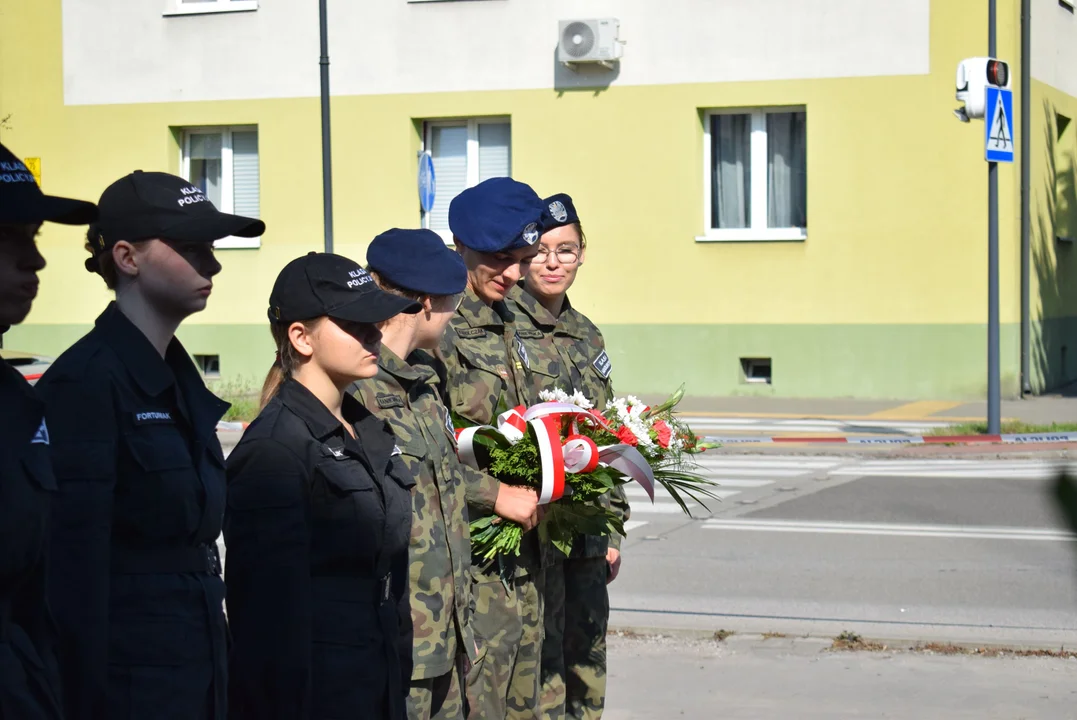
[{"x": 973, "y": 77}]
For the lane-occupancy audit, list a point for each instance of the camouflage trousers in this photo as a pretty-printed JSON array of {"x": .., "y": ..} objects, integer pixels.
[
  {"x": 438, "y": 698},
  {"x": 574, "y": 650},
  {"x": 504, "y": 681}
]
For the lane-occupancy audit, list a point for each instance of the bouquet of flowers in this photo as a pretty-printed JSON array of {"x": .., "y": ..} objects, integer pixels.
[{"x": 572, "y": 455}]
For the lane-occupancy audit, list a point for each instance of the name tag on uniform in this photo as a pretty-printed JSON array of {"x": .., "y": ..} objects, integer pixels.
[
  {"x": 389, "y": 401},
  {"x": 470, "y": 333},
  {"x": 41, "y": 437},
  {"x": 154, "y": 417},
  {"x": 531, "y": 334},
  {"x": 523, "y": 352},
  {"x": 603, "y": 365}
]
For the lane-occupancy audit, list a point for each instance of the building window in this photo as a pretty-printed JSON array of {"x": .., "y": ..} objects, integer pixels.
[
  {"x": 208, "y": 365},
  {"x": 200, "y": 7},
  {"x": 465, "y": 152},
  {"x": 223, "y": 162},
  {"x": 755, "y": 180}
]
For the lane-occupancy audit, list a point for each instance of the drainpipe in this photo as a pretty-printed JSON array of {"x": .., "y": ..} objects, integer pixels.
[{"x": 1026, "y": 218}]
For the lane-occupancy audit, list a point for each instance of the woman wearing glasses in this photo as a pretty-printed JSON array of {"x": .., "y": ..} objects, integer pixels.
[
  {"x": 416, "y": 264},
  {"x": 577, "y": 604}
]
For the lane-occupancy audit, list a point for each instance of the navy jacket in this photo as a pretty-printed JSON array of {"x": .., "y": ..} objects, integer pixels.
[
  {"x": 135, "y": 578},
  {"x": 29, "y": 677},
  {"x": 317, "y": 531}
]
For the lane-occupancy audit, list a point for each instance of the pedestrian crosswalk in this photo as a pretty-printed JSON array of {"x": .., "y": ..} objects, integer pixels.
[
  {"x": 734, "y": 475},
  {"x": 945, "y": 468},
  {"x": 708, "y": 426}
]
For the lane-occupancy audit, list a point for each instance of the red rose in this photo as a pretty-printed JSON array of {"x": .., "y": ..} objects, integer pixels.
[
  {"x": 625, "y": 435},
  {"x": 665, "y": 434}
]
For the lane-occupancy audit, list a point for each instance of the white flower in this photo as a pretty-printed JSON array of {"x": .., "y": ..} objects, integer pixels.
[
  {"x": 555, "y": 395},
  {"x": 579, "y": 400}
]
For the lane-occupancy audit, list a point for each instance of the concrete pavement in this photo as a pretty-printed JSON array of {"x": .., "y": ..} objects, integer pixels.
[{"x": 749, "y": 678}]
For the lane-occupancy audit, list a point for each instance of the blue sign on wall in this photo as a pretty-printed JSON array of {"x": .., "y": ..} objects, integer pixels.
[
  {"x": 998, "y": 122},
  {"x": 427, "y": 185}
]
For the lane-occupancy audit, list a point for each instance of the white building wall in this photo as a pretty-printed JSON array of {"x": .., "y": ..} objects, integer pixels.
[
  {"x": 1054, "y": 46},
  {"x": 129, "y": 51}
]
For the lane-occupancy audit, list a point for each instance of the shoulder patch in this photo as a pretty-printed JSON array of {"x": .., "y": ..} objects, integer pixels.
[
  {"x": 603, "y": 365},
  {"x": 386, "y": 401},
  {"x": 531, "y": 333},
  {"x": 471, "y": 332}
]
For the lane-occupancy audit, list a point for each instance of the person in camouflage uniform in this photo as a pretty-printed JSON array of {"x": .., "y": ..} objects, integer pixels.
[
  {"x": 417, "y": 265},
  {"x": 495, "y": 228},
  {"x": 577, "y": 603}
]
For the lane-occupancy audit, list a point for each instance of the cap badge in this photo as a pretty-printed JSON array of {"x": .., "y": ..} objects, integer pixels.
[
  {"x": 531, "y": 233},
  {"x": 557, "y": 209}
]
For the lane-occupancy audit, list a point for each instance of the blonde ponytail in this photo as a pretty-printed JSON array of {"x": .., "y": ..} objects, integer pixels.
[{"x": 285, "y": 363}]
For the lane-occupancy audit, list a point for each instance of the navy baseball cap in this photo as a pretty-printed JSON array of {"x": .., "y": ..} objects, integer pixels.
[
  {"x": 318, "y": 284},
  {"x": 496, "y": 215},
  {"x": 145, "y": 205},
  {"x": 23, "y": 203},
  {"x": 558, "y": 211},
  {"x": 417, "y": 260}
]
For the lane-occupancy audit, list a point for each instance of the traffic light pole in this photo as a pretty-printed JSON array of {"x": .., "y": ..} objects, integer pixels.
[
  {"x": 327, "y": 151},
  {"x": 994, "y": 404}
]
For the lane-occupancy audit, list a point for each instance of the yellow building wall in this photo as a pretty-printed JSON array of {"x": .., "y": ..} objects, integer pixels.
[{"x": 896, "y": 193}]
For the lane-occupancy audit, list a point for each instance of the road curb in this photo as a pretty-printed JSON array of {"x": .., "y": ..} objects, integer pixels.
[{"x": 824, "y": 643}]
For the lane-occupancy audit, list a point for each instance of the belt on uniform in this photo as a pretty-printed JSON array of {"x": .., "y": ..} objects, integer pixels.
[{"x": 166, "y": 560}]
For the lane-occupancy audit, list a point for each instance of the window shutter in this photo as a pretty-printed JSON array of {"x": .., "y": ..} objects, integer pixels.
[
  {"x": 448, "y": 147},
  {"x": 245, "y": 185},
  {"x": 495, "y": 150}
]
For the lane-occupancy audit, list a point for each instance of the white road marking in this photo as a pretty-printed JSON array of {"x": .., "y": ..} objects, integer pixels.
[{"x": 884, "y": 529}]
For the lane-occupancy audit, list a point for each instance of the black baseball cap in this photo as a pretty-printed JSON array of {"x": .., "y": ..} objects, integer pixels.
[
  {"x": 145, "y": 205},
  {"x": 23, "y": 203},
  {"x": 320, "y": 284}
]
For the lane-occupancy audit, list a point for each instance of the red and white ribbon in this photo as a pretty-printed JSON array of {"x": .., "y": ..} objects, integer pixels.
[{"x": 578, "y": 454}]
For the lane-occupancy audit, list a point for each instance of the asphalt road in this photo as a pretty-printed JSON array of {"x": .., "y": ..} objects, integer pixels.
[{"x": 956, "y": 550}]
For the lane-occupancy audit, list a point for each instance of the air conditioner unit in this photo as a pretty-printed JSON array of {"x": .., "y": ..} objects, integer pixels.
[{"x": 589, "y": 41}]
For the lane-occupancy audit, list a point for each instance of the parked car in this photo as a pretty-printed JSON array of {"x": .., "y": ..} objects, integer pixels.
[{"x": 30, "y": 365}]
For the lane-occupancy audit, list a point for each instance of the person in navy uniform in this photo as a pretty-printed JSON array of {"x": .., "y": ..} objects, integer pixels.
[
  {"x": 135, "y": 576},
  {"x": 29, "y": 674},
  {"x": 319, "y": 514}
]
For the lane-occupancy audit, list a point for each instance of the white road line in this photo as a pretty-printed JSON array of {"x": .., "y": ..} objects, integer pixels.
[
  {"x": 883, "y": 529},
  {"x": 633, "y": 524}
]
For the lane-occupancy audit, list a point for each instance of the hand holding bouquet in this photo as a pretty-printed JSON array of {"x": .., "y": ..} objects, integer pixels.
[{"x": 572, "y": 455}]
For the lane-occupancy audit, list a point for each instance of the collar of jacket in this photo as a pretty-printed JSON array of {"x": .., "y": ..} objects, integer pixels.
[
  {"x": 23, "y": 412},
  {"x": 154, "y": 374},
  {"x": 478, "y": 314},
  {"x": 529, "y": 305},
  {"x": 401, "y": 369}
]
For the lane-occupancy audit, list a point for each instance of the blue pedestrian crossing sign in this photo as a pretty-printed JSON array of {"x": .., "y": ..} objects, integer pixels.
[{"x": 998, "y": 125}]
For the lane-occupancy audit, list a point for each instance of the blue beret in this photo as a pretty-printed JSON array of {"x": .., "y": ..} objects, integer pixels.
[
  {"x": 496, "y": 215},
  {"x": 417, "y": 260},
  {"x": 557, "y": 211}
]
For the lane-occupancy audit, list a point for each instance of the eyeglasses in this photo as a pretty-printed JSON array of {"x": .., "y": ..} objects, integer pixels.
[{"x": 565, "y": 254}]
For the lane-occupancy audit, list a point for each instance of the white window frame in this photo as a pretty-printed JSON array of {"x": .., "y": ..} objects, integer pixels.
[
  {"x": 472, "y": 124},
  {"x": 227, "y": 201},
  {"x": 179, "y": 7},
  {"x": 758, "y": 230}
]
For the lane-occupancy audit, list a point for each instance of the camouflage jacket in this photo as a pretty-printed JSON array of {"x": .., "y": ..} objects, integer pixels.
[
  {"x": 439, "y": 555},
  {"x": 486, "y": 373},
  {"x": 568, "y": 352}
]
